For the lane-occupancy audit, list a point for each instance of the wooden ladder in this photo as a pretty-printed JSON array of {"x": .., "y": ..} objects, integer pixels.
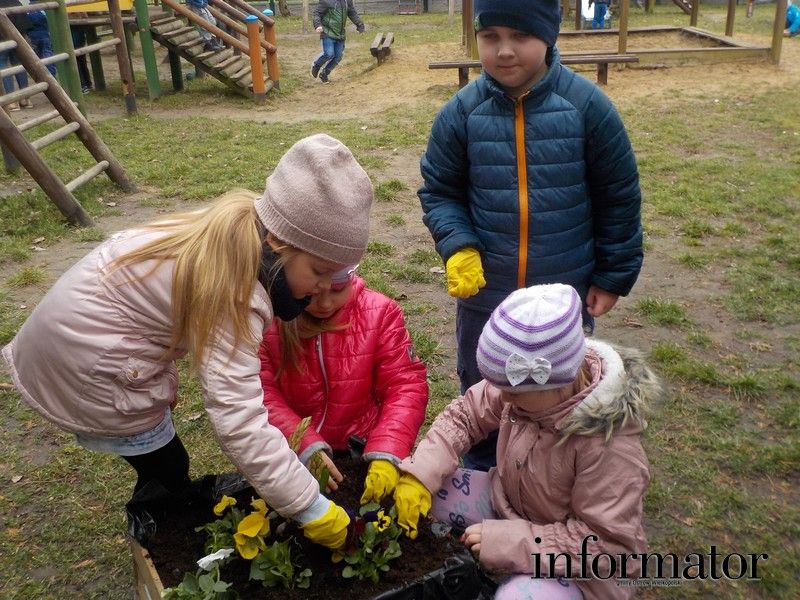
[{"x": 17, "y": 150}]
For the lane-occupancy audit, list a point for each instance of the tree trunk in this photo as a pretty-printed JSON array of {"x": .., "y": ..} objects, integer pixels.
[
  {"x": 284, "y": 8},
  {"x": 305, "y": 16}
]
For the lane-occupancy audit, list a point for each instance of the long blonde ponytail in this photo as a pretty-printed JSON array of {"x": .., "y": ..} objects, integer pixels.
[{"x": 217, "y": 256}]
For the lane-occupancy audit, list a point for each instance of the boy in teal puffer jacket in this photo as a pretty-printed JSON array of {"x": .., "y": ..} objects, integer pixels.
[
  {"x": 330, "y": 19},
  {"x": 529, "y": 178}
]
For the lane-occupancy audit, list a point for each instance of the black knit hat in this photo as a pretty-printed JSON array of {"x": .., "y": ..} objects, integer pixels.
[{"x": 540, "y": 18}]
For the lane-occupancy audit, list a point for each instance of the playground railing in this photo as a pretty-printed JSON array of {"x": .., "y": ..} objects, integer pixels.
[{"x": 256, "y": 48}]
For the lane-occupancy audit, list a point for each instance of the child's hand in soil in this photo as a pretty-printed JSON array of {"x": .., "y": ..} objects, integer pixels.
[
  {"x": 382, "y": 478},
  {"x": 335, "y": 476},
  {"x": 472, "y": 538}
]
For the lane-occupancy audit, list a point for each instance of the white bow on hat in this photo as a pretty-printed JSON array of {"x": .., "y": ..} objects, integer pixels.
[{"x": 520, "y": 368}]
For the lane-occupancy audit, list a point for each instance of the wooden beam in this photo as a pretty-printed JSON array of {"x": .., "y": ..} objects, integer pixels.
[
  {"x": 622, "y": 45},
  {"x": 730, "y": 18},
  {"x": 778, "y": 26}
]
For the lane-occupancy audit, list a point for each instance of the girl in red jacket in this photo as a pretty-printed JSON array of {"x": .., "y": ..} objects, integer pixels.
[{"x": 348, "y": 363}]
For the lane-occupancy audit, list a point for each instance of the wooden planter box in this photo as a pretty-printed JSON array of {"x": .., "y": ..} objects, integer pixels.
[{"x": 148, "y": 583}]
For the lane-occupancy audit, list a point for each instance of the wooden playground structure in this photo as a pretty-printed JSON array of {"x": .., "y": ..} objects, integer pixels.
[
  {"x": 245, "y": 59},
  {"x": 719, "y": 48}
]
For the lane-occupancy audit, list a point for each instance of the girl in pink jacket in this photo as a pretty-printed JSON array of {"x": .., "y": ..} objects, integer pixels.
[
  {"x": 349, "y": 364},
  {"x": 571, "y": 473},
  {"x": 97, "y": 355}
]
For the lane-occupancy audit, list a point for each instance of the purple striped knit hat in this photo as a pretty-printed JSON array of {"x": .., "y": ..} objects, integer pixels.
[{"x": 534, "y": 340}]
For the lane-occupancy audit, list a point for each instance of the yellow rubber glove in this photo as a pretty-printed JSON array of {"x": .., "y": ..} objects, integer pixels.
[
  {"x": 412, "y": 500},
  {"x": 381, "y": 480},
  {"x": 330, "y": 530},
  {"x": 464, "y": 273}
]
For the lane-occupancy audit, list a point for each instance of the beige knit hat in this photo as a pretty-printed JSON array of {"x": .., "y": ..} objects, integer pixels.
[{"x": 318, "y": 199}]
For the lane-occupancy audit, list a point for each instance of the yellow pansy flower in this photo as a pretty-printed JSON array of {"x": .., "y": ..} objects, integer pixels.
[
  {"x": 223, "y": 504},
  {"x": 247, "y": 546},
  {"x": 260, "y": 506},
  {"x": 382, "y": 522}
]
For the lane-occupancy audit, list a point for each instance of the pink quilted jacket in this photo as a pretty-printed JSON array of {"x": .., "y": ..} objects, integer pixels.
[{"x": 90, "y": 359}]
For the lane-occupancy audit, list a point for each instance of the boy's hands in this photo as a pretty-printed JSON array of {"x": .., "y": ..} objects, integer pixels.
[
  {"x": 412, "y": 500},
  {"x": 330, "y": 530},
  {"x": 599, "y": 301},
  {"x": 382, "y": 478},
  {"x": 464, "y": 273}
]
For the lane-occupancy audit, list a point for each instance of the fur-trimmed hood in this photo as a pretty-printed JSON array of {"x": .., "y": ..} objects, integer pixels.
[{"x": 621, "y": 399}]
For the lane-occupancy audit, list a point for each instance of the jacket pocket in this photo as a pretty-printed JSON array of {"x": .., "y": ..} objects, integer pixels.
[{"x": 144, "y": 384}]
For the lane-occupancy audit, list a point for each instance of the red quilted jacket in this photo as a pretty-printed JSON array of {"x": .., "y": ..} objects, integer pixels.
[{"x": 364, "y": 380}]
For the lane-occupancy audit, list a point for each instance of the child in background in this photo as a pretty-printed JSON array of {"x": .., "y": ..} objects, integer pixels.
[
  {"x": 210, "y": 41},
  {"x": 9, "y": 58},
  {"x": 330, "y": 18},
  {"x": 529, "y": 178},
  {"x": 97, "y": 355},
  {"x": 39, "y": 36},
  {"x": 347, "y": 362},
  {"x": 599, "y": 16},
  {"x": 570, "y": 463},
  {"x": 792, "y": 20}
]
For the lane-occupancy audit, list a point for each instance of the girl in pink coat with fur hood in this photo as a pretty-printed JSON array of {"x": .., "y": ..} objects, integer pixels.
[{"x": 571, "y": 472}]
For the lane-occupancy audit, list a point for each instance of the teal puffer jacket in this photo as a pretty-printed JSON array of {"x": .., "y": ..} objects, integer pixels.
[{"x": 578, "y": 217}]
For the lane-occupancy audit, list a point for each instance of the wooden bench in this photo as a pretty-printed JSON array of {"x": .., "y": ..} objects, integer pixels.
[
  {"x": 601, "y": 60},
  {"x": 382, "y": 46}
]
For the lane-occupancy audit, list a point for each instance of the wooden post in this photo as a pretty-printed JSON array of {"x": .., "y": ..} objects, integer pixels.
[
  {"x": 624, "y": 9},
  {"x": 61, "y": 37},
  {"x": 777, "y": 31},
  {"x": 148, "y": 51},
  {"x": 98, "y": 75},
  {"x": 273, "y": 70},
  {"x": 123, "y": 60},
  {"x": 578, "y": 16},
  {"x": 694, "y": 13},
  {"x": 731, "y": 17},
  {"x": 649, "y": 6},
  {"x": 451, "y": 12},
  {"x": 256, "y": 67},
  {"x": 306, "y": 27}
]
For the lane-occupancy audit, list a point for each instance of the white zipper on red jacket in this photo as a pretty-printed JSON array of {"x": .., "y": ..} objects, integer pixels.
[{"x": 324, "y": 380}]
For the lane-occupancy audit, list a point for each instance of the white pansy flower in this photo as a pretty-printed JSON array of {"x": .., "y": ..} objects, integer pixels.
[{"x": 207, "y": 562}]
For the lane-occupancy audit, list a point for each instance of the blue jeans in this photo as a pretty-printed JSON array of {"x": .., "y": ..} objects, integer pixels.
[
  {"x": 332, "y": 52},
  {"x": 9, "y": 58},
  {"x": 599, "y": 20},
  {"x": 43, "y": 48}
]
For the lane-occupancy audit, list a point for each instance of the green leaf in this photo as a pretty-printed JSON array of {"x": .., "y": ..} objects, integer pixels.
[{"x": 348, "y": 572}]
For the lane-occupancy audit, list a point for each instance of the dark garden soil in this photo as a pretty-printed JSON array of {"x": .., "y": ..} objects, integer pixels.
[{"x": 176, "y": 547}]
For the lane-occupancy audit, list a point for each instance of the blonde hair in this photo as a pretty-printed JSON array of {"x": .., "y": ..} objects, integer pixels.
[{"x": 217, "y": 256}]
